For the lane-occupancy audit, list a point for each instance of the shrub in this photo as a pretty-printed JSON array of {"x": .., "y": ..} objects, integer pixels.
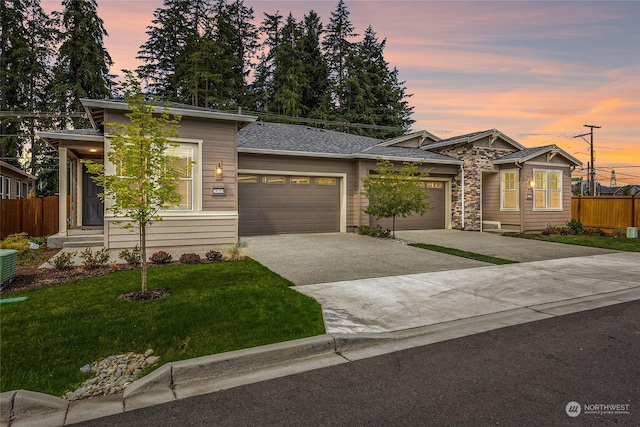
[
  {"x": 131, "y": 257},
  {"x": 17, "y": 241},
  {"x": 160, "y": 257},
  {"x": 92, "y": 260},
  {"x": 376, "y": 231},
  {"x": 593, "y": 231},
  {"x": 234, "y": 252},
  {"x": 214, "y": 256},
  {"x": 620, "y": 232},
  {"x": 575, "y": 226},
  {"x": 190, "y": 258},
  {"x": 62, "y": 261}
]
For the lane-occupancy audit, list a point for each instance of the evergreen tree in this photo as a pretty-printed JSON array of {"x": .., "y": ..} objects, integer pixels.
[
  {"x": 371, "y": 92},
  {"x": 313, "y": 96},
  {"x": 289, "y": 77},
  {"x": 82, "y": 69},
  {"x": 262, "y": 86},
  {"x": 26, "y": 47},
  {"x": 173, "y": 37},
  {"x": 237, "y": 38},
  {"x": 337, "y": 48}
]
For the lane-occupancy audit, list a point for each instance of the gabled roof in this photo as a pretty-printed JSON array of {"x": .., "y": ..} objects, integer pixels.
[
  {"x": 531, "y": 153},
  {"x": 5, "y": 165},
  {"x": 423, "y": 134},
  {"x": 95, "y": 109},
  {"x": 298, "y": 140},
  {"x": 471, "y": 137}
]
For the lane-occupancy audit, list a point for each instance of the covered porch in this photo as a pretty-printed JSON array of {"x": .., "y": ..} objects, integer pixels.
[{"x": 83, "y": 220}]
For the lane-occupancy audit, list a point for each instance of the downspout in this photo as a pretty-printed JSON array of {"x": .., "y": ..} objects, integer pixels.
[
  {"x": 462, "y": 190},
  {"x": 522, "y": 195}
]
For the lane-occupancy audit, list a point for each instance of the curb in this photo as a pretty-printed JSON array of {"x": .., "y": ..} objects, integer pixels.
[{"x": 207, "y": 374}]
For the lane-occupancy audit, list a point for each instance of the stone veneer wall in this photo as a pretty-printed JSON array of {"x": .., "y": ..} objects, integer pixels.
[{"x": 476, "y": 159}]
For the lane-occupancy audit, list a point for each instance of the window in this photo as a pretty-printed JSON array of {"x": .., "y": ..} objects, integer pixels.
[
  {"x": 182, "y": 156},
  {"x": 547, "y": 190},
  {"x": 300, "y": 180},
  {"x": 1, "y": 187},
  {"x": 274, "y": 180},
  {"x": 326, "y": 181},
  {"x": 18, "y": 189},
  {"x": 431, "y": 184},
  {"x": 25, "y": 191},
  {"x": 7, "y": 187},
  {"x": 509, "y": 194},
  {"x": 247, "y": 179}
]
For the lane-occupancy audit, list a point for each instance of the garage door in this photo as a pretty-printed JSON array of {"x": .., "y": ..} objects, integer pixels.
[
  {"x": 279, "y": 204},
  {"x": 432, "y": 219}
]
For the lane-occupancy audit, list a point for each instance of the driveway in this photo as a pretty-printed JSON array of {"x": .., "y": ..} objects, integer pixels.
[{"x": 320, "y": 258}]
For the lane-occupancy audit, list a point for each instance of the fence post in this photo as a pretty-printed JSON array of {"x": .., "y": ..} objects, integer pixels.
[{"x": 633, "y": 211}]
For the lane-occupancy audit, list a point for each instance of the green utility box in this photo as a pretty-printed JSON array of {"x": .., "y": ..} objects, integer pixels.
[
  {"x": 8, "y": 265},
  {"x": 632, "y": 232}
]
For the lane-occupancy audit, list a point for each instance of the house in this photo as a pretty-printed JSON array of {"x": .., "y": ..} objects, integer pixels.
[
  {"x": 252, "y": 177},
  {"x": 14, "y": 182}
]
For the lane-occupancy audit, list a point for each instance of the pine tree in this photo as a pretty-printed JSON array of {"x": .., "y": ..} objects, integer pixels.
[
  {"x": 337, "y": 48},
  {"x": 26, "y": 48},
  {"x": 262, "y": 85},
  {"x": 313, "y": 96},
  {"x": 173, "y": 36},
  {"x": 82, "y": 69}
]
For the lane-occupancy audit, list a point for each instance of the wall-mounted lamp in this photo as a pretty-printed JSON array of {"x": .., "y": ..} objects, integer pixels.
[
  {"x": 219, "y": 170},
  {"x": 532, "y": 183}
]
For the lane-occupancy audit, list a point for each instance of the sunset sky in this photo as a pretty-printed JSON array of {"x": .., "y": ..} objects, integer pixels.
[{"x": 536, "y": 70}]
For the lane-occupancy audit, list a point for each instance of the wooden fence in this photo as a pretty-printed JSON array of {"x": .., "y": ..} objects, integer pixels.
[
  {"x": 36, "y": 217},
  {"x": 606, "y": 212}
]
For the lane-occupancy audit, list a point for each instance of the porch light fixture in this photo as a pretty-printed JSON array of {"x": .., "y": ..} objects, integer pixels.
[
  {"x": 532, "y": 183},
  {"x": 219, "y": 170}
]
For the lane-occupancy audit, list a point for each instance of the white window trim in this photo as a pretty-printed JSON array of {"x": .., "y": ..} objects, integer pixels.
[
  {"x": 547, "y": 191},
  {"x": 1, "y": 186},
  {"x": 18, "y": 189},
  {"x": 196, "y": 207},
  {"x": 7, "y": 187},
  {"x": 517, "y": 190}
]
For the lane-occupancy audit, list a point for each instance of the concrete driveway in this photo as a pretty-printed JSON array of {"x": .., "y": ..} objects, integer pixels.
[
  {"x": 368, "y": 285},
  {"x": 320, "y": 258}
]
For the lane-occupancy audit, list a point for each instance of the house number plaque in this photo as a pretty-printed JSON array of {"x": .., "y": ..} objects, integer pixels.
[{"x": 218, "y": 191}]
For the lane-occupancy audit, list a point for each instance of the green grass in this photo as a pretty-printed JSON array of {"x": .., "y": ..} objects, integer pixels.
[
  {"x": 213, "y": 308},
  {"x": 464, "y": 254},
  {"x": 605, "y": 242}
]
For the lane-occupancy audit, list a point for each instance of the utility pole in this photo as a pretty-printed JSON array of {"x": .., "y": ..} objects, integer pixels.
[
  {"x": 592, "y": 189},
  {"x": 613, "y": 182},
  {"x": 591, "y": 170}
]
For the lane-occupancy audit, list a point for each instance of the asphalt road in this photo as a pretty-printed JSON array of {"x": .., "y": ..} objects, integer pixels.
[{"x": 522, "y": 375}]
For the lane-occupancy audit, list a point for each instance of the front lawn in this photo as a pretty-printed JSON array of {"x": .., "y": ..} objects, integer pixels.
[
  {"x": 213, "y": 308},
  {"x": 605, "y": 242}
]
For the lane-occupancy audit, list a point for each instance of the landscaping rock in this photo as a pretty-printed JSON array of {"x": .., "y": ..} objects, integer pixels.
[{"x": 113, "y": 374}]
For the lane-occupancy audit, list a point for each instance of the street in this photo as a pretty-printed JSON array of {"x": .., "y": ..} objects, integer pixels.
[{"x": 521, "y": 375}]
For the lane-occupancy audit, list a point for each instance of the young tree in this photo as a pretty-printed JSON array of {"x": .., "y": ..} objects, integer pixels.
[
  {"x": 145, "y": 180},
  {"x": 395, "y": 192},
  {"x": 82, "y": 69}
]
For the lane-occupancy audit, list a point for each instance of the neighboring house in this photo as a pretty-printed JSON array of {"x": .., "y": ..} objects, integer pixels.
[
  {"x": 282, "y": 178},
  {"x": 14, "y": 182}
]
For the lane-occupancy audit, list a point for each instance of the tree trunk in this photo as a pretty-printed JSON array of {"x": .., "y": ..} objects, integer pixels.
[{"x": 143, "y": 255}]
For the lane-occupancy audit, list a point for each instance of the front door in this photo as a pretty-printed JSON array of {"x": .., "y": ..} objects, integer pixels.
[{"x": 92, "y": 206}]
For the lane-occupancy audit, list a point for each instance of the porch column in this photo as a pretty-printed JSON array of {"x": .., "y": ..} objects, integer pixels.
[{"x": 62, "y": 191}]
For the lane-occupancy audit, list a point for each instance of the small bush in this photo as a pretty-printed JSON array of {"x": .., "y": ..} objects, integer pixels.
[
  {"x": 18, "y": 242},
  {"x": 160, "y": 257},
  {"x": 214, "y": 256},
  {"x": 377, "y": 231},
  {"x": 620, "y": 232},
  {"x": 593, "y": 231},
  {"x": 62, "y": 261},
  {"x": 131, "y": 257},
  {"x": 234, "y": 252},
  {"x": 190, "y": 258},
  {"x": 92, "y": 260},
  {"x": 575, "y": 226}
]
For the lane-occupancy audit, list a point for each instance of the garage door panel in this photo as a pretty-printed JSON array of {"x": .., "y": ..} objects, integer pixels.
[
  {"x": 288, "y": 205},
  {"x": 433, "y": 218}
]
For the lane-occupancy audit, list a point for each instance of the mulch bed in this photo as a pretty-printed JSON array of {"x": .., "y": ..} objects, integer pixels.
[{"x": 144, "y": 296}]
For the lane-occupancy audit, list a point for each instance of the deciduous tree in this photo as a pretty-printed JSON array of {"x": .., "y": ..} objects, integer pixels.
[{"x": 395, "y": 192}]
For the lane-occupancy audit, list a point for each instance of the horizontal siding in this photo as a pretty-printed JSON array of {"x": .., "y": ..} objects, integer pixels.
[
  {"x": 539, "y": 220},
  {"x": 172, "y": 235},
  {"x": 491, "y": 203}
]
